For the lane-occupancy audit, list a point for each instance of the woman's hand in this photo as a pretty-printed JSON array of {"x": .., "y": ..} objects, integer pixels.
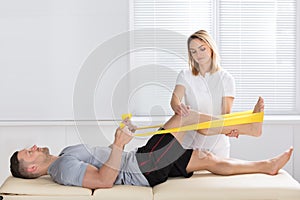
[
  {"x": 233, "y": 133},
  {"x": 182, "y": 109}
]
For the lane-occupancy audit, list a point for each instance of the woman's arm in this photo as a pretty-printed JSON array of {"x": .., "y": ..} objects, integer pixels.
[
  {"x": 252, "y": 129},
  {"x": 227, "y": 103},
  {"x": 178, "y": 107}
]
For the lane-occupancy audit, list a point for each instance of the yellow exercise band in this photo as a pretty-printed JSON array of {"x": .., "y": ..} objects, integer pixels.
[
  {"x": 222, "y": 116},
  {"x": 124, "y": 116},
  {"x": 127, "y": 115},
  {"x": 147, "y": 127},
  {"x": 227, "y": 120},
  {"x": 237, "y": 114}
]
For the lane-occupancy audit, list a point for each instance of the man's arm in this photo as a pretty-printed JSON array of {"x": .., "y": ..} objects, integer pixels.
[{"x": 107, "y": 174}]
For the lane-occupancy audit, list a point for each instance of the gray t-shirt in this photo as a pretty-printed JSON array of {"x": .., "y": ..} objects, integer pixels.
[{"x": 70, "y": 167}]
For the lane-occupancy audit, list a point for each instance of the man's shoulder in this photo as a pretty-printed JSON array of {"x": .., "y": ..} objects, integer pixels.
[
  {"x": 67, "y": 170},
  {"x": 64, "y": 161},
  {"x": 72, "y": 148}
]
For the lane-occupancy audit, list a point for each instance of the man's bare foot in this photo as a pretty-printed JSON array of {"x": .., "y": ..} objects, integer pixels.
[
  {"x": 277, "y": 163},
  {"x": 259, "y": 106},
  {"x": 256, "y": 128}
]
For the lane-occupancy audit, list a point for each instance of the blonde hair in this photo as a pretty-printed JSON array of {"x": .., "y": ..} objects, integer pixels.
[{"x": 208, "y": 40}]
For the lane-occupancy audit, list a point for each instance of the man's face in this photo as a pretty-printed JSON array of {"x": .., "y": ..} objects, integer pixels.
[{"x": 34, "y": 154}]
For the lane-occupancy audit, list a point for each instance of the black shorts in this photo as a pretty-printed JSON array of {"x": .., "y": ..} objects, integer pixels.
[{"x": 163, "y": 157}]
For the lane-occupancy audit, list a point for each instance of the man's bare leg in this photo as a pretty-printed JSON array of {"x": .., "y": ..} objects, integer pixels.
[
  {"x": 253, "y": 129},
  {"x": 228, "y": 166}
]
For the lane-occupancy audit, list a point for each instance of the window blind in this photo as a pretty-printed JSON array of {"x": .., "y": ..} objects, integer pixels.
[
  {"x": 256, "y": 39},
  {"x": 160, "y": 51},
  {"x": 258, "y": 47}
]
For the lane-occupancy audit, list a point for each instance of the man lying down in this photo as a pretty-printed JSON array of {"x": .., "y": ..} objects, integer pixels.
[{"x": 163, "y": 156}]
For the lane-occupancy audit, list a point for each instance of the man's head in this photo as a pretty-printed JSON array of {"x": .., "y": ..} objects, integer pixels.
[{"x": 30, "y": 163}]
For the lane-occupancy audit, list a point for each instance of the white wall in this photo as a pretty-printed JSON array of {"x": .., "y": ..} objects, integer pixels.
[{"x": 44, "y": 47}]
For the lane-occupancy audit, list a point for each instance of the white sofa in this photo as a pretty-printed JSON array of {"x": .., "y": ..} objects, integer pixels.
[{"x": 202, "y": 185}]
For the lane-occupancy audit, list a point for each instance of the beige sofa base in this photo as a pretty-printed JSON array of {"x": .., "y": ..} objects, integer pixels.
[{"x": 202, "y": 185}]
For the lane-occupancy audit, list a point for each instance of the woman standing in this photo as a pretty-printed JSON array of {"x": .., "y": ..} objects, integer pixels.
[{"x": 207, "y": 88}]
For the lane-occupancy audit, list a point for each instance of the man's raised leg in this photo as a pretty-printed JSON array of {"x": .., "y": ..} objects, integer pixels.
[{"x": 253, "y": 129}]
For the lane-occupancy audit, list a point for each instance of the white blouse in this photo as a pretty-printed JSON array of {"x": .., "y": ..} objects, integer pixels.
[{"x": 204, "y": 94}]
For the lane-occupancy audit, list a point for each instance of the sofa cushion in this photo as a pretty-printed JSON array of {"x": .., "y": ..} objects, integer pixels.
[
  {"x": 204, "y": 185},
  {"x": 124, "y": 192},
  {"x": 42, "y": 186}
]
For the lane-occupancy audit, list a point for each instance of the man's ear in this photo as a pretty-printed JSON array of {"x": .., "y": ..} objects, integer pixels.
[{"x": 31, "y": 168}]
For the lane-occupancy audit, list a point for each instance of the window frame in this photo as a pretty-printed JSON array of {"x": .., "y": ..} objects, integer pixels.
[{"x": 298, "y": 57}]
